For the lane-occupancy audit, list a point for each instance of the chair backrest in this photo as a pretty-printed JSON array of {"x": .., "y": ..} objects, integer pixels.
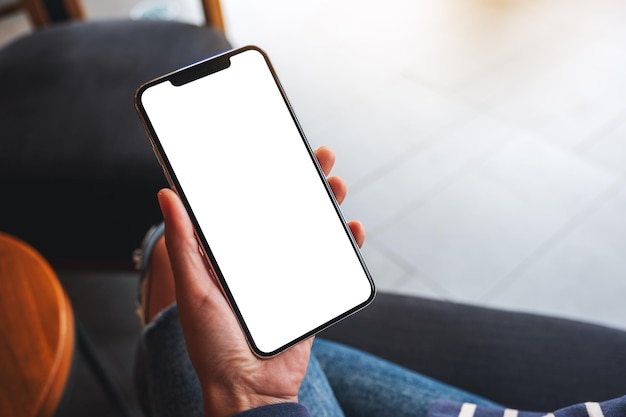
[
  {"x": 37, "y": 333},
  {"x": 42, "y": 13}
]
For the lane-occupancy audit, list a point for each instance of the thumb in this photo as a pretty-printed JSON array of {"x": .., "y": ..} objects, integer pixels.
[{"x": 188, "y": 264}]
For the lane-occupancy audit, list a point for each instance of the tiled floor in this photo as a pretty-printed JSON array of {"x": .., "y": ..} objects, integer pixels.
[{"x": 483, "y": 141}]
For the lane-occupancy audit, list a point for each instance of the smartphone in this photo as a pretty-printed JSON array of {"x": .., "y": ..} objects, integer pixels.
[{"x": 265, "y": 217}]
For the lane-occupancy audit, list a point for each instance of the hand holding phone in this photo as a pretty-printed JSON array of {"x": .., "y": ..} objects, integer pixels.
[
  {"x": 223, "y": 131},
  {"x": 231, "y": 376}
]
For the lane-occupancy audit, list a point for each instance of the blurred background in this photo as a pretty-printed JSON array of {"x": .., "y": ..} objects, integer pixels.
[{"x": 483, "y": 141}]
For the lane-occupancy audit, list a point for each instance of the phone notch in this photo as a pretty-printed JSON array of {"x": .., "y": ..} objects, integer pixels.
[{"x": 197, "y": 71}]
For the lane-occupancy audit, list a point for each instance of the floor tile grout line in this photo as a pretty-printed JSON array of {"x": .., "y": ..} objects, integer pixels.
[
  {"x": 434, "y": 137},
  {"x": 596, "y": 204},
  {"x": 488, "y": 105},
  {"x": 436, "y": 293},
  {"x": 575, "y": 150},
  {"x": 611, "y": 126},
  {"x": 453, "y": 178},
  {"x": 410, "y": 270}
]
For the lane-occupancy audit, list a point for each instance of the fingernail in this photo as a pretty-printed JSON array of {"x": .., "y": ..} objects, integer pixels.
[{"x": 161, "y": 198}]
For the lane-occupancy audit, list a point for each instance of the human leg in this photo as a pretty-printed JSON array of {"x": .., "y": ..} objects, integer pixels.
[
  {"x": 316, "y": 393},
  {"x": 166, "y": 382},
  {"x": 156, "y": 285},
  {"x": 365, "y": 385}
]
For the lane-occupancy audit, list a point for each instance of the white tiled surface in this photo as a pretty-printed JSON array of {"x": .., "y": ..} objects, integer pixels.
[{"x": 483, "y": 141}]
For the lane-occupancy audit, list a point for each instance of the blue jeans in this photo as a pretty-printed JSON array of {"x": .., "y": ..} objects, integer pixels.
[{"x": 340, "y": 381}]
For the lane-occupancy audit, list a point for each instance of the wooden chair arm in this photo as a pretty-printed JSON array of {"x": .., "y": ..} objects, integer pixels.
[
  {"x": 37, "y": 333},
  {"x": 43, "y": 13},
  {"x": 213, "y": 14}
]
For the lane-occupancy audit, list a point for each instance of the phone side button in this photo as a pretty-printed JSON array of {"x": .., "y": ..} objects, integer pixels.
[
  {"x": 212, "y": 273},
  {"x": 209, "y": 267}
]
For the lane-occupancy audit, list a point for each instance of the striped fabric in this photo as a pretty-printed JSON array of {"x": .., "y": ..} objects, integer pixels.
[{"x": 613, "y": 408}]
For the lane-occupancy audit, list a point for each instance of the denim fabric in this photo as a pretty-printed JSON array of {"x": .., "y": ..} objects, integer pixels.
[
  {"x": 339, "y": 380},
  {"x": 277, "y": 410},
  {"x": 316, "y": 393},
  {"x": 367, "y": 386},
  {"x": 167, "y": 383}
]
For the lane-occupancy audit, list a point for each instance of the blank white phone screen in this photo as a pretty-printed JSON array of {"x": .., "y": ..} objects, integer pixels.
[{"x": 259, "y": 201}]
